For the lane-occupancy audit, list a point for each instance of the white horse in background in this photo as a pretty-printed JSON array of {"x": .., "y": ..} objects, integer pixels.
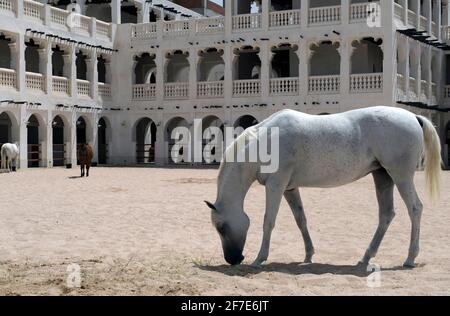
[
  {"x": 330, "y": 151},
  {"x": 10, "y": 155}
]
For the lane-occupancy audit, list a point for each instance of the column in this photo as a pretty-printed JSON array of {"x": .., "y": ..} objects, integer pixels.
[
  {"x": 304, "y": 7},
  {"x": 228, "y": 74},
  {"x": 18, "y": 61},
  {"x": 228, "y": 17},
  {"x": 160, "y": 150},
  {"x": 405, "y": 11},
  {"x": 265, "y": 56},
  {"x": 437, "y": 14},
  {"x": 416, "y": 64},
  {"x": 427, "y": 12},
  {"x": 48, "y": 159},
  {"x": 92, "y": 74},
  {"x": 94, "y": 140},
  {"x": 265, "y": 14},
  {"x": 143, "y": 14},
  {"x": 160, "y": 70},
  {"x": 19, "y": 8},
  {"x": 23, "y": 136},
  {"x": 45, "y": 67},
  {"x": 70, "y": 70},
  {"x": 115, "y": 11},
  {"x": 193, "y": 61},
  {"x": 345, "y": 12},
  {"x": 429, "y": 90},
  {"x": 407, "y": 68},
  {"x": 345, "y": 50},
  {"x": 303, "y": 54},
  {"x": 72, "y": 145}
]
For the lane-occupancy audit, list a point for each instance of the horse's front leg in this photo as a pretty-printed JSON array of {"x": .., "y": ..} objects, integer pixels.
[
  {"x": 82, "y": 170},
  {"x": 274, "y": 193},
  {"x": 87, "y": 170}
]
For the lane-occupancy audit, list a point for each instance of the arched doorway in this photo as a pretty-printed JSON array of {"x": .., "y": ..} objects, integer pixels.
[
  {"x": 5, "y": 129},
  {"x": 447, "y": 141},
  {"x": 145, "y": 141},
  {"x": 102, "y": 142},
  {"x": 34, "y": 146},
  {"x": 212, "y": 148},
  {"x": 59, "y": 147},
  {"x": 245, "y": 122},
  {"x": 81, "y": 134},
  {"x": 178, "y": 150}
]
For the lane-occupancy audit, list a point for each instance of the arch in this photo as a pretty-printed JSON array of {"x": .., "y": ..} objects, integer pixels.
[
  {"x": 35, "y": 136},
  {"x": 5, "y": 52},
  {"x": 81, "y": 65},
  {"x": 57, "y": 61},
  {"x": 285, "y": 62},
  {"x": 101, "y": 69},
  {"x": 32, "y": 60},
  {"x": 212, "y": 150},
  {"x": 145, "y": 131},
  {"x": 145, "y": 67},
  {"x": 177, "y": 67},
  {"x": 211, "y": 66},
  {"x": 128, "y": 12},
  {"x": 325, "y": 59},
  {"x": 247, "y": 64},
  {"x": 181, "y": 152},
  {"x": 9, "y": 128},
  {"x": 60, "y": 139},
  {"x": 103, "y": 139},
  {"x": 367, "y": 56},
  {"x": 245, "y": 121}
]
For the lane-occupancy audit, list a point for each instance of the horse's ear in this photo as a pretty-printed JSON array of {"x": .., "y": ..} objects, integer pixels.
[{"x": 211, "y": 206}]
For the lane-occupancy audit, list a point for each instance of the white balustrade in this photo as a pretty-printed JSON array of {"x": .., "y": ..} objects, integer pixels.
[
  {"x": 33, "y": 10},
  {"x": 83, "y": 88},
  {"x": 325, "y": 15},
  {"x": 423, "y": 91},
  {"x": 284, "y": 86},
  {"x": 210, "y": 89},
  {"x": 412, "y": 17},
  {"x": 247, "y": 21},
  {"x": 434, "y": 93},
  {"x": 245, "y": 88},
  {"x": 176, "y": 90},
  {"x": 446, "y": 33},
  {"x": 412, "y": 87},
  {"x": 324, "y": 84},
  {"x": 447, "y": 92},
  {"x": 147, "y": 30},
  {"x": 8, "y": 6},
  {"x": 81, "y": 24},
  {"x": 284, "y": 18},
  {"x": 361, "y": 12},
  {"x": 211, "y": 25},
  {"x": 145, "y": 91},
  {"x": 398, "y": 10},
  {"x": 104, "y": 90},
  {"x": 60, "y": 84},
  {"x": 176, "y": 28},
  {"x": 34, "y": 81},
  {"x": 364, "y": 83},
  {"x": 423, "y": 23},
  {"x": 7, "y": 77},
  {"x": 59, "y": 17},
  {"x": 434, "y": 29},
  {"x": 401, "y": 85},
  {"x": 103, "y": 29}
]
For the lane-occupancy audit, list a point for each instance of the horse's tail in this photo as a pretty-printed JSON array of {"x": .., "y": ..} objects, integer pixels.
[{"x": 432, "y": 155}]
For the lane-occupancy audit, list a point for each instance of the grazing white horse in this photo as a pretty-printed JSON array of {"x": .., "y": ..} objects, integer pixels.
[
  {"x": 9, "y": 153},
  {"x": 330, "y": 151}
]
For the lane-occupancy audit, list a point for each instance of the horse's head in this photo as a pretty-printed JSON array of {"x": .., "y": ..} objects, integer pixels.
[{"x": 232, "y": 228}]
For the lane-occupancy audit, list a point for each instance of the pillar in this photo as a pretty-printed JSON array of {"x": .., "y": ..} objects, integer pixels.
[
  {"x": 265, "y": 56},
  {"x": 45, "y": 67},
  {"x": 193, "y": 61},
  {"x": 92, "y": 74},
  {"x": 48, "y": 159},
  {"x": 345, "y": 12},
  {"x": 18, "y": 61},
  {"x": 70, "y": 70},
  {"x": 228, "y": 17},
  {"x": 23, "y": 136},
  {"x": 228, "y": 57},
  {"x": 160, "y": 61},
  {"x": 115, "y": 11},
  {"x": 345, "y": 51}
]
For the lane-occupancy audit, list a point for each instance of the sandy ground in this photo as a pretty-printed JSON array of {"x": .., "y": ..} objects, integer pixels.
[{"x": 147, "y": 232}]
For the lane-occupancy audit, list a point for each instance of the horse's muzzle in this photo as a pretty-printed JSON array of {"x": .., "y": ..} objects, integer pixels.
[{"x": 235, "y": 259}]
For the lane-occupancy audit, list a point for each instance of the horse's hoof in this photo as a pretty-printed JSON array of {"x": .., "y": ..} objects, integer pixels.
[
  {"x": 409, "y": 265},
  {"x": 256, "y": 265},
  {"x": 308, "y": 261}
]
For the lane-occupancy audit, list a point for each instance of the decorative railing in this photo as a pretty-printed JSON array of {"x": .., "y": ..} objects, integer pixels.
[
  {"x": 34, "y": 81},
  {"x": 210, "y": 89},
  {"x": 211, "y": 25},
  {"x": 423, "y": 91},
  {"x": 434, "y": 93},
  {"x": 284, "y": 86},
  {"x": 147, "y": 30},
  {"x": 360, "y": 12},
  {"x": 104, "y": 90},
  {"x": 176, "y": 28},
  {"x": 176, "y": 90},
  {"x": 446, "y": 33},
  {"x": 58, "y": 17},
  {"x": 247, "y": 21},
  {"x": 423, "y": 23},
  {"x": 447, "y": 92},
  {"x": 363, "y": 83},
  {"x": 412, "y": 87},
  {"x": 60, "y": 85},
  {"x": 284, "y": 18},
  {"x": 399, "y": 10},
  {"x": 7, "y": 77},
  {"x": 103, "y": 29},
  {"x": 83, "y": 88},
  {"x": 412, "y": 17},
  {"x": 245, "y": 88},
  {"x": 81, "y": 24},
  {"x": 33, "y": 9},
  {"x": 8, "y": 5},
  {"x": 434, "y": 29},
  {"x": 401, "y": 85},
  {"x": 324, "y": 84},
  {"x": 146, "y": 91},
  {"x": 325, "y": 15}
]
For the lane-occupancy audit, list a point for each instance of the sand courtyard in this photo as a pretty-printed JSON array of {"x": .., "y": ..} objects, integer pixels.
[{"x": 146, "y": 231}]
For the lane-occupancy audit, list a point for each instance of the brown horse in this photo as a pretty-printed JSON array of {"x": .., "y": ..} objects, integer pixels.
[{"x": 85, "y": 154}]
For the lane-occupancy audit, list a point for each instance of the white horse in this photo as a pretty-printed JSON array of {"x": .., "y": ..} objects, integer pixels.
[
  {"x": 10, "y": 154},
  {"x": 330, "y": 151}
]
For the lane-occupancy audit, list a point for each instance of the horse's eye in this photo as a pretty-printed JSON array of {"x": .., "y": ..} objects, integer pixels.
[{"x": 222, "y": 229}]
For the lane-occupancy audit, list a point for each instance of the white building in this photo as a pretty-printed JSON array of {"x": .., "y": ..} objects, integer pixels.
[{"x": 122, "y": 75}]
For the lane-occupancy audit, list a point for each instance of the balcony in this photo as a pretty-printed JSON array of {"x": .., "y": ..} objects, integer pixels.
[
  {"x": 366, "y": 83},
  {"x": 324, "y": 84},
  {"x": 325, "y": 15},
  {"x": 176, "y": 28},
  {"x": 83, "y": 88},
  {"x": 246, "y": 88},
  {"x": 447, "y": 94},
  {"x": 8, "y": 77},
  {"x": 104, "y": 90},
  {"x": 360, "y": 12},
  {"x": 284, "y": 18},
  {"x": 446, "y": 34},
  {"x": 35, "y": 81},
  {"x": 176, "y": 90},
  {"x": 284, "y": 86},
  {"x": 210, "y": 25},
  {"x": 60, "y": 85},
  {"x": 244, "y": 22},
  {"x": 144, "y": 92},
  {"x": 210, "y": 89}
]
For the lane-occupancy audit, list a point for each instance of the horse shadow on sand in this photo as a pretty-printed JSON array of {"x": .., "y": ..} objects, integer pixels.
[{"x": 297, "y": 268}]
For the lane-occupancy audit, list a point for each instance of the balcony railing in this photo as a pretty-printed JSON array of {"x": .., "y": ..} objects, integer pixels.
[
  {"x": 413, "y": 88},
  {"x": 34, "y": 81},
  {"x": 210, "y": 89},
  {"x": 447, "y": 92},
  {"x": 247, "y": 21},
  {"x": 246, "y": 88},
  {"x": 103, "y": 29},
  {"x": 58, "y": 17},
  {"x": 401, "y": 86},
  {"x": 324, "y": 84},
  {"x": 146, "y": 91},
  {"x": 104, "y": 90},
  {"x": 8, "y": 6},
  {"x": 284, "y": 18},
  {"x": 34, "y": 10},
  {"x": 147, "y": 30},
  {"x": 360, "y": 12},
  {"x": 365, "y": 83},
  {"x": 211, "y": 25},
  {"x": 424, "y": 91},
  {"x": 398, "y": 10},
  {"x": 412, "y": 18},
  {"x": 7, "y": 77},
  {"x": 176, "y": 28},
  {"x": 83, "y": 88},
  {"x": 284, "y": 86},
  {"x": 325, "y": 15},
  {"x": 446, "y": 33},
  {"x": 60, "y": 85},
  {"x": 176, "y": 90}
]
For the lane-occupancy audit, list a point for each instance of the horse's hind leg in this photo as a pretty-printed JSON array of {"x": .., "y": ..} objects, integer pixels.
[
  {"x": 409, "y": 195},
  {"x": 82, "y": 170},
  {"x": 385, "y": 195},
  {"x": 294, "y": 200},
  {"x": 87, "y": 170}
]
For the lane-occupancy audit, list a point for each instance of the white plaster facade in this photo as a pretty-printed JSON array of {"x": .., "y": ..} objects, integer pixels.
[{"x": 122, "y": 87}]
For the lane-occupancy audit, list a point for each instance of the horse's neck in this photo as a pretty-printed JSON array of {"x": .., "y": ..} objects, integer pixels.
[{"x": 234, "y": 182}]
